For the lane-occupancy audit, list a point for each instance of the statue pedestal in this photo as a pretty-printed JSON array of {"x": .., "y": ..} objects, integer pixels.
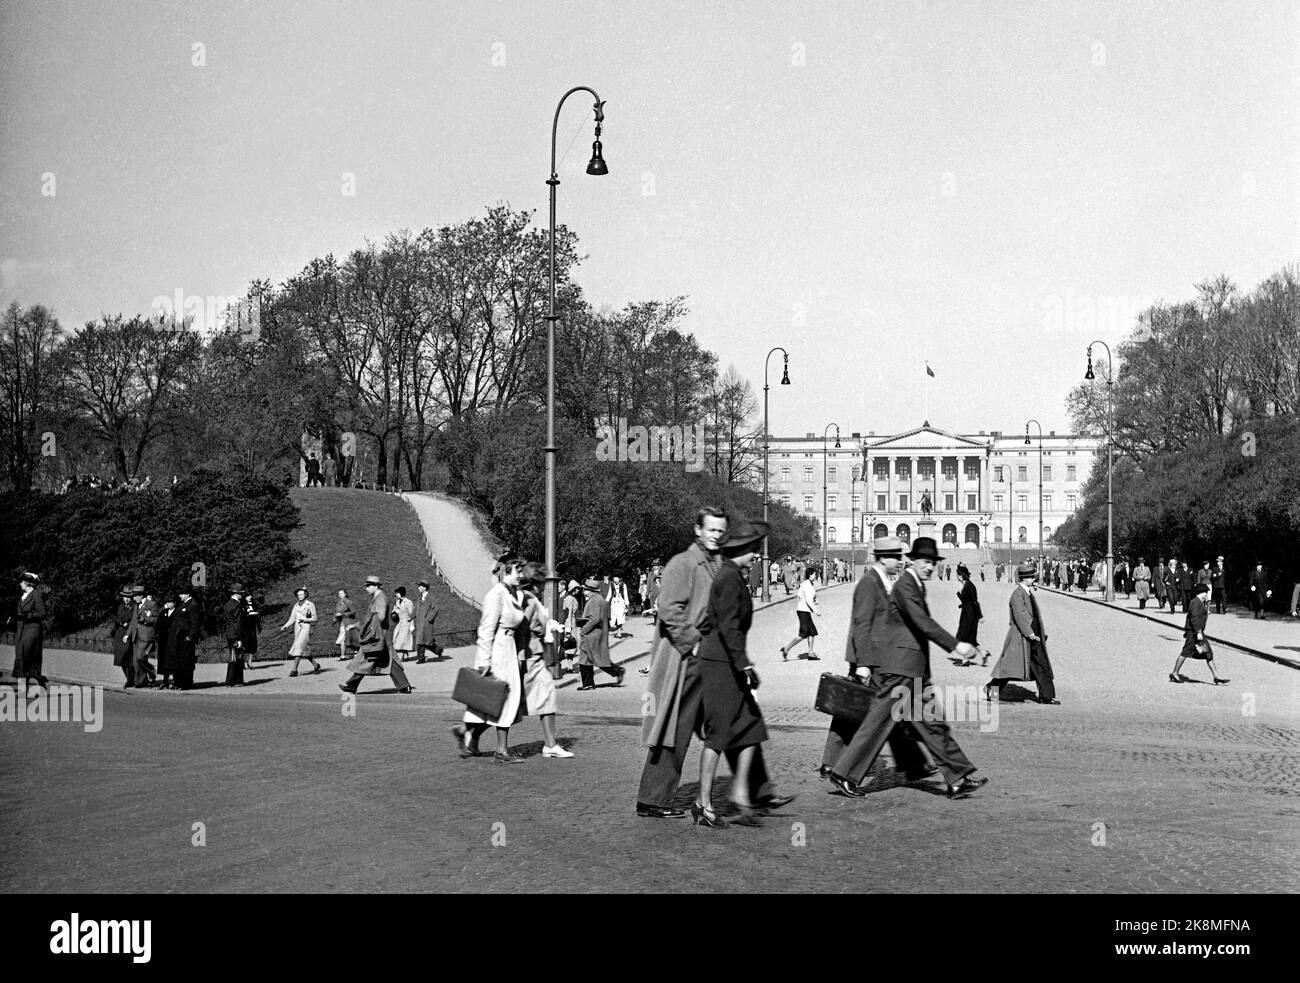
[{"x": 926, "y": 527}]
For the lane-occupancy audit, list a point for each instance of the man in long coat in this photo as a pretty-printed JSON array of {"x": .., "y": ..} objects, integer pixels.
[
  {"x": 1024, "y": 652},
  {"x": 232, "y": 622},
  {"x": 29, "y": 645},
  {"x": 187, "y": 623},
  {"x": 374, "y": 656},
  {"x": 870, "y": 602},
  {"x": 123, "y": 637},
  {"x": 1219, "y": 586},
  {"x": 146, "y": 642},
  {"x": 1173, "y": 590},
  {"x": 1158, "y": 583},
  {"x": 1142, "y": 582},
  {"x": 593, "y": 638},
  {"x": 1261, "y": 590},
  {"x": 901, "y": 649},
  {"x": 673, "y": 708},
  {"x": 426, "y": 613}
]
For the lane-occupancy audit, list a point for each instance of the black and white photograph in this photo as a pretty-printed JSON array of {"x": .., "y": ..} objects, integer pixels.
[{"x": 575, "y": 448}]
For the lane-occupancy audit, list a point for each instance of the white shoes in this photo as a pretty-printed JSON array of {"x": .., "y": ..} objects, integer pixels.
[{"x": 556, "y": 752}]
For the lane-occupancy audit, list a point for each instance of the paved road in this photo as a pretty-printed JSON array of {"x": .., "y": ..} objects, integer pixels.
[{"x": 1195, "y": 787}]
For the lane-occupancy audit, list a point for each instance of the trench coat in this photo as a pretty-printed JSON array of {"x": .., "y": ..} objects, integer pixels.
[
  {"x": 403, "y": 625},
  {"x": 683, "y": 611},
  {"x": 498, "y": 651},
  {"x": 1017, "y": 649},
  {"x": 29, "y": 646},
  {"x": 539, "y": 684},
  {"x": 593, "y": 638},
  {"x": 123, "y": 634},
  {"x": 426, "y": 613},
  {"x": 372, "y": 659},
  {"x": 1142, "y": 581},
  {"x": 232, "y": 624},
  {"x": 186, "y": 624}
]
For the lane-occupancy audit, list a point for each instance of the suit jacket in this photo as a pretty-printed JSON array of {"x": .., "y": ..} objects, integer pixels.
[
  {"x": 123, "y": 634},
  {"x": 870, "y": 601},
  {"x": 146, "y": 619},
  {"x": 1217, "y": 580},
  {"x": 426, "y": 613},
  {"x": 907, "y": 632},
  {"x": 731, "y": 609},
  {"x": 232, "y": 615},
  {"x": 187, "y": 622},
  {"x": 1259, "y": 581}
]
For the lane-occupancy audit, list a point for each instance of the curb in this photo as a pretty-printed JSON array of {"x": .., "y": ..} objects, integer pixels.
[{"x": 1257, "y": 653}]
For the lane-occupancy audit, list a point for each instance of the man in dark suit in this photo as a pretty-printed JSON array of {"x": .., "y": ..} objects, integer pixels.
[
  {"x": 870, "y": 603},
  {"x": 1172, "y": 591},
  {"x": 187, "y": 622},
  {"x": 426, "y": 613},
  {"x": 232, "y": 621},
  {"x": 375, "y": 655},
  {"x": 901, "y": 645},
  {"x": 1261, "y": 590},
  {"x": 124, "y": 636},
  {"x": 1219, "y": 585}
]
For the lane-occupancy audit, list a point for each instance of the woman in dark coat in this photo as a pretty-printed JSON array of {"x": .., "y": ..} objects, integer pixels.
[
  {"x": 123, "y": 656},
  {"x": 732, "y": 721},
  {"x": 29, "y": 645},
  {"x": 971, "y": 614},
  {"x": 1196, "y": 645}
]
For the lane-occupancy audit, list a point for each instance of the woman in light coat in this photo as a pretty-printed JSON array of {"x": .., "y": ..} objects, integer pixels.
[
  {"x": 403, "y": 625},
  {"x": 497, "y": 655},
  {"x": 618, "y": 605},
  {"x": 805, "y": 609},
  {"x": 301, "y": 618}
]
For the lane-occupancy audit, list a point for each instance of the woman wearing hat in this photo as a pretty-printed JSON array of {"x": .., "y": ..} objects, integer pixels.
[
  {"x": 1196, "y": 645},
  {"x": 498, "y": 655},
  {"x": 731, "y": 719},
  {"x": 403, "y": 625},
  {"x": 1024, "y": 653},
  {"x": 805, "y": 609},
  {"x": 971, "y": 615},
  {"x": 301, "y": 618},
  {"x": 534, "y": 634},
  {"x": 345, "y": 614},
  {"x": 29, "y": 645}
]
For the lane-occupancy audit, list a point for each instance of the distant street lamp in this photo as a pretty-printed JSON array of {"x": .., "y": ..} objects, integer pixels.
[
  {"x": 825, "y": 532},
  {"x": 1040, "y": 490},
  {"x": 597, "y": 167},
  {"x": 785, "y": 381},
  {"x": 1110, "y": 443}
]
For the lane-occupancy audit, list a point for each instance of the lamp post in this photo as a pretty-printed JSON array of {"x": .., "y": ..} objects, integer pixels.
[
  {"x": 985, "y": 550},
  {"x": 1110, "y": 443},
  {"x": 1040, "y": 491},
  {"x": 825, "y": 532},
  {"x": 785, "y": 381},
  {"x": 597, "y": 167}
]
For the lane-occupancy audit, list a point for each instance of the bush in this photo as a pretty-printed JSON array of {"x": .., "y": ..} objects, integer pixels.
[{"x": 86, "y": 545}]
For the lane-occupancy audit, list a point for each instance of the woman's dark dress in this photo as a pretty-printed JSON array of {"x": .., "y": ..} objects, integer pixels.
[
  {"x": 968, "y": 626},
  {"x": 732, "y": 719}
]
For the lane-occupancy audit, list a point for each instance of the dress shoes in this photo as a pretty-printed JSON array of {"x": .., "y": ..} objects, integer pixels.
[
  {"x": 347, "y": 689},
  {"x": 406, "y": 689},
  {"x": 846, "y": 787},
  {"x": 965, "y": 787},
  {"x": 919, "y": 775},
  {"x": 507, "y": 758},
  {"x": 581, "y": 688},
  {"x": 1050, "y": 703},
  {"x": 659, "y": 812},
  {"x": 823, "y": 771},
  {"x": 773, "y": 801}
]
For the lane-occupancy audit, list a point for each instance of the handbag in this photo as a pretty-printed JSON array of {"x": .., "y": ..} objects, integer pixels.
[
  {"x": 842, "y": 697},
  {"x": 484, "y": 695}
]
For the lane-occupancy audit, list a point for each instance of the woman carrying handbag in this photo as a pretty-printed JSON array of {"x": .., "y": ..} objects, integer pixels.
[{"x": 301, "y": 618}]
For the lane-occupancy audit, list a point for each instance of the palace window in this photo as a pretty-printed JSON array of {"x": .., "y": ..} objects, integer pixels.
[
  {"x": 807, "y": 475},
  {"x": 950, "y": 470},
  {"x": 807, "y": 503},
  {"x": 856, "y": 537},
  {"x": 999, "y": 503},
  {"x": 997, "y": 473},
  {"x": 785, "y": 474},
  {"x": 832, "y": 474},
  {"x": 902, "y": 503},
  {"x": 830, "y": 534},
  {"x": 1022, "y": 473},
  {"x": 857, "y": 473},
  {"x": 970, "y": 502},
  {"x": 903, "y": 468},
  {"x": 1047, "y": 502},
  {"x": 881, "y": 506},
  {"x": 925, "y": 467},
  {"x": 1071, "y": 473},
  {"x": 785, "y": 500},
  {"x": 948, "y": 502},
  {"x": 1021, "y": 534},
  {"x": 881, "y": 468},
  {"x": 833, "y": 502},
  {"x": 857, "y": 502},
  {"x": 997, "y": 534},
  {"x": 1047, "y": 472},
  {"x": 1072, "y": 502},
  {"x": 972, "y": 470},
  {"x": 1022, "y": 502}
]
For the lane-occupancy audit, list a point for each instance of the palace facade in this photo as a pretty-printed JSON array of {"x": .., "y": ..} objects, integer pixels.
[{"x": 982, "y": 488}]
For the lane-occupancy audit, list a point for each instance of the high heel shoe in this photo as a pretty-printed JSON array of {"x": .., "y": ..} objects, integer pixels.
[
  {"x": 783, "y": 655},
  {"x": 701, "y": 816}
]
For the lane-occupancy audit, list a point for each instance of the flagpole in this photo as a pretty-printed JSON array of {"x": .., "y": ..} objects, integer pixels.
[{"x": 927, "y": 390}]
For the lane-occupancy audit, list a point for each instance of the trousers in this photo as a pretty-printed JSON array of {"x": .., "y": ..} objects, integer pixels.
[
  {"x": 879, "y": 724},
  {"x": 395, "y": 671},
  {"x": 662, "y": 772}
]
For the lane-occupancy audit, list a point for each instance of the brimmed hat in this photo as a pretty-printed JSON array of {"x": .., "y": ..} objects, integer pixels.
[
  {"x": 237, "y": 588},
  {"x": 742, "y": 534},
  {"x": 31, "y": 578},
  {"x": 1201, "y": 589},
  {"x": 373, "y": 581},
  {"x": 591, "y": 583},
  {"x": 963, "y": 569},
  {"x": 1026, "y": 571},
  {"x": 303, "y": 588},
  {"x": 137, "y": 590},
  {"x": 125, "y": 591},
  {"x": 422, "y": 583},
  {"x": 924, "y": 549},
  {"x": 887, "y": 546}
]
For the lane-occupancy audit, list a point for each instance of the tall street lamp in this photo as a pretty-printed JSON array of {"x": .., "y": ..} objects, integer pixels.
[
  {"x": 1110, "y": 443},
  {"x": 1040, "y": 490},
  {"x": 597, "y": 167},
  {"x": 785, "y": 381},
  {"x": 825, "y": 532}
]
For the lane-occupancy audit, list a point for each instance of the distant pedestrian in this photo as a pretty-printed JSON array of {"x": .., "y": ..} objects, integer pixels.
[
  {"x": 618, "y": 605},
  {"x": 538, "y": 631},
  {"x": 1142, "y": 582},
  {"x": 971, "y": 615},
  {"x": 1024, "y": 653},
  {"x": 345, "y": 616},
  {"x": 593, "y": 639},
  {"x": 313, "y": 471},
  {"x": 301, "y": 618},
  {"x": 29, "y": 643},
  {"x": 249, "y": 628},
  {"x": 805, "y": 610},
  {"x": 426, "y": 613},
  {"x": 1219, "y": 583},
  {"x": 166, "y": 662},
  {"x": 403, "y": 625},
  {"x": 232, "y": 621},
  {"x": 374, "y": 655},
  {"x": 1158, "y": 582},
  {"x": 146, "y": 635},
  {"x": 187, "y": 625},
  {"x": 1261, "y": 590},
  {"x": 123, "y": 653},
  {"x": 1195, "y": 644}
]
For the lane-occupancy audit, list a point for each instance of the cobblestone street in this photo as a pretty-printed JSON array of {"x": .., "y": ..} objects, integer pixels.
[{"x": 1132, "y": 784}]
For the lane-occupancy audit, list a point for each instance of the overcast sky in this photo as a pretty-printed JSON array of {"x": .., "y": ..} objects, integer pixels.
[{"x": 987, "y": 186}]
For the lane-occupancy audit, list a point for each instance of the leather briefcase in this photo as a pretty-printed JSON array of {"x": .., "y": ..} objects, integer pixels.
[
  {"x": 484, "y": 695},
  {"x": 840, "y": 696}
]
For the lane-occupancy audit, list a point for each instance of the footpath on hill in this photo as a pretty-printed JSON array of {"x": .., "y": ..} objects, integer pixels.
[{"x": 460, "y": 552}]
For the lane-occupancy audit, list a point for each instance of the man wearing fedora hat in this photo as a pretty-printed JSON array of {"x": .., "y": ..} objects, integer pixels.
[
  {"x": 426, "y": 613},
  {"x": 902, "y": 651},
  {"x": 232, "y": 622},
  {"x": 593, "y": 638},
  {"x": 870, "y": 604},
  {"x": 146, "y": 641},
  {"x": 374, "y": 655},
  {"x": 1024, "y": 652},
  {"x": 123, "y": 635}
]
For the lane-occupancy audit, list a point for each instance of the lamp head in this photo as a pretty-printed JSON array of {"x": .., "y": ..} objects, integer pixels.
[
  {"x": 1089, "y": 374},
  {"x": 785, "y": 371},
  {"x": 837, "y": 440},
  {"x": 597, "y": 163}
]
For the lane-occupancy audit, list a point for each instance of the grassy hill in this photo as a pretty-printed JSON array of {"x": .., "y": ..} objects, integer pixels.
[{"x": 346, "y": 535}]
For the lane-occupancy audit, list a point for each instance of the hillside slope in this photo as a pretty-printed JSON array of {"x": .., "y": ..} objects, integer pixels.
[{"x": 463, "y": 555}]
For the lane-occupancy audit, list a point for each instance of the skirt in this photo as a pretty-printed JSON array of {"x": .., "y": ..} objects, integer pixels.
[
  {"x": 539, "y": 687},
  {"x": 731, "y": 717},
  {"x": 806, "y": 627},
  {"x": 1189, "y": 651},
  {"x": 301, "y": 636}
]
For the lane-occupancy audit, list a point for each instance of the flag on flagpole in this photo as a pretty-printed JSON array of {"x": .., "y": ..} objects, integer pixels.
[{"x": 929, "y": 371}]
